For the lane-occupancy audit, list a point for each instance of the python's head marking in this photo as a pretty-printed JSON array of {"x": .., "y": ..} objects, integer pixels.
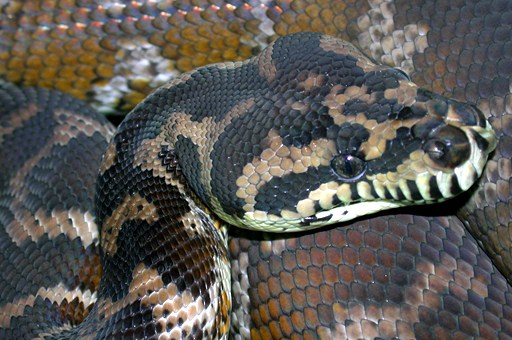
[{"x": 329, "y": 136}]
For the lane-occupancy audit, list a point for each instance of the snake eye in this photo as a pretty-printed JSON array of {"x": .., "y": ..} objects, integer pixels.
[
  {"x": 348, "y": 167},
  {"x": 436, "y": 149}
]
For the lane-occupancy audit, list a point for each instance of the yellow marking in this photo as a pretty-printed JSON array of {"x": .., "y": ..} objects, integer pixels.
[
  {"x": 204, "y": 134},
  {"x": 72, "y": 223},
  {"x": 184, "y": 312},
  {"x": 109, "y": 158},
  {"x": 312, "y": 81},
  {"x": 416, "y": 155},
  {"x": 379, "y": 186},
  {"x": 423, "y": 185},
  {"x": 306, "y": 208},
  {"x": 194, "y": 223},
  {"x": 404, "y": 94},
  {"x": 289, "y": 215},
  {"x": 144, "y": 280},
  {"x": 146, "y": 155},
  {"x": 278, "y": 160},
  {"x": 364, "y": 190},
  {"x": 324, "y": 194},
  {"x": 402, "y": 184},
  {"x": 260, "y": 215},
  {"x": 133, "y": 207},
  {"x": 344, "y": 193}
]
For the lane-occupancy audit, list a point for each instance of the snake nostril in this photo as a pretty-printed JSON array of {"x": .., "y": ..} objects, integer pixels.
[{"x": 447, "y": 146}]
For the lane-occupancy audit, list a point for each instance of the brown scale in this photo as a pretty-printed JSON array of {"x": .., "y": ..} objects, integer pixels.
[
  {"x": 37, "y": 279},
  {"x": 83, "y": 46},
  {"x": 452, "y": 66},
  {"x": 381, "y": 277},
  {"x": 463, "y": 58}
]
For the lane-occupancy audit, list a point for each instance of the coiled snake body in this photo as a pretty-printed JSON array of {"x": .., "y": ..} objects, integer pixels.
[{"x": 308, "y": 133}]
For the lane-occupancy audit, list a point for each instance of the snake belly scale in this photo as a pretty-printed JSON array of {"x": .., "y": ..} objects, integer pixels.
[{"x": 308, "y": 133}]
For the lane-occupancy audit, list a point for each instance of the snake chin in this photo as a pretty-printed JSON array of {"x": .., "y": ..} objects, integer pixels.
[
  {"x": 340, "y": 214},
  {"x": 353, "y": 211}
]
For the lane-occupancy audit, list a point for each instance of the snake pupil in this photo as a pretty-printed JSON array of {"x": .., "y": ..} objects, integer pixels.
[
  {"x": 436, "y": 149},
  {"x": 349, "y": 167}
]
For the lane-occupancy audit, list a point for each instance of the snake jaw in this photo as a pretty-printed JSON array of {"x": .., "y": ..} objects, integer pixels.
[{"x": 320, "y": 219}]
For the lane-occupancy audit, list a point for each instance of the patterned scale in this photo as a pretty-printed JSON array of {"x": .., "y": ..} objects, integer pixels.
[{"x": 415, "y": 273}]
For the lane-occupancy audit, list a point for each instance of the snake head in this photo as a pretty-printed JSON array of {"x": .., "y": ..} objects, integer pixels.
[{"x": 316, "y": 133}]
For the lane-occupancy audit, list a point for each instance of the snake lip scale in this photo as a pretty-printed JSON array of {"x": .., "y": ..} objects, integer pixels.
[{"x": 125, "y": 233}]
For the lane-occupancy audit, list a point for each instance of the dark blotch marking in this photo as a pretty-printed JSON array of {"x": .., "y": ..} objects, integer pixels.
[
  {"x": 291, "y": 189},
  {"x": 397, "y": 151},
  {"x": 189, "y": 160},
  {"x": 387, "y": 194},
  {"x": 306, "y": 221},
  {"x": 51, "y": 191},
  {"x": 455, "y": 188},
  {"x": 414, "y": 191},
  {"x": 169, "y": 159},
  {"x": 480, "y": 141},
  {"x": 470, "y": 115},
  {"x": 400, "y": 194},
  {"x": 434, "y": 191},
  {"x": 348, "y": 137}
]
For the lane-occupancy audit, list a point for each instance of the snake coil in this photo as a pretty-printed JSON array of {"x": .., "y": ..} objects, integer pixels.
[{"x": 308, "y": 133}]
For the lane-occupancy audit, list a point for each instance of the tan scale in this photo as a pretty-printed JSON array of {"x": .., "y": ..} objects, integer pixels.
[
  {"x": 375, "y": 146},
  {"x": 183, "y": 312},
  {"x": 133, "y": 207},
  {"x": 193, "y": 221},
  {"x": 266, "y": 67},
  {"x": 278, "y": 160},
  {"x": 30, "y": 224},
  {"x": 109, "y": 158},
  {"x": 144, "y": 280},
  {"x": 332, "y": 44},
  {"x": 146, "y": 157},
  {"x": 73, "y": 223},
  {"x": 56, "y": 294},
  {"x": 204, "y": 135},
  {"x": 387, "y": 44},
  {"x": 311, "y": 82}
]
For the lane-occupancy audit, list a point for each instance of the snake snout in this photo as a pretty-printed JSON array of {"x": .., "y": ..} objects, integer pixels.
[{"x": 447, "y": 146}]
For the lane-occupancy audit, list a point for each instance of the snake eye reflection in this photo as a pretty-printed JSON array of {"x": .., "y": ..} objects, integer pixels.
[
  {"x": 349, "y": 167},
  {"x": 435, "y": 149}
]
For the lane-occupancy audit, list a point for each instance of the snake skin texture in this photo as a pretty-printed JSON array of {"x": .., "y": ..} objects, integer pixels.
[
  {"x": 406, "y": 276},
  {"x": 49, "y": 240}
]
